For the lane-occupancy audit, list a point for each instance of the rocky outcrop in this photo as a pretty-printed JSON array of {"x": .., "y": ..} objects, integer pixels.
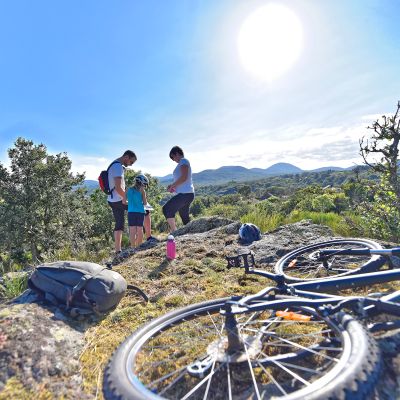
[{"x": 39, "y": 348}]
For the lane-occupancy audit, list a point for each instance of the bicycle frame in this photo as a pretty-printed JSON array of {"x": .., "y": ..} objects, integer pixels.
[{"x": 315, "y": 291}]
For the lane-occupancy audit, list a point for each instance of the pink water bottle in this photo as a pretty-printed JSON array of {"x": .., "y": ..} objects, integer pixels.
[{"x": 171, "y": 247}]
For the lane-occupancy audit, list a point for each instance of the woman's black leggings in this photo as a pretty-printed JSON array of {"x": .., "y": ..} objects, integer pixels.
[{"x": 181, "y": 202}]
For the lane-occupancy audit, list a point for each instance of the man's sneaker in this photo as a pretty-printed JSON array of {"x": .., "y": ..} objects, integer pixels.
[{"x": 152, "y": 239}]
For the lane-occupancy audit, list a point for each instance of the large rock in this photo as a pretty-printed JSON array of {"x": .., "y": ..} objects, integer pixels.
[
  {"x": 40, "y": 349},
  {"x": 203, "y": 225}
]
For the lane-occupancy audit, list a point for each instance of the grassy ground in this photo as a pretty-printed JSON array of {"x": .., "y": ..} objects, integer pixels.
[{"x": 199, "y": 273}]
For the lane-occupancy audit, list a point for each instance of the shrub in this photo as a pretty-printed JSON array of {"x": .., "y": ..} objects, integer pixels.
[
  {"x": 265, "y": 221},
  {"x": 336, "y": 222}
]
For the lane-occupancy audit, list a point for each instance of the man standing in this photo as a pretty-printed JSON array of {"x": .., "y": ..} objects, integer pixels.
[{"x": 117, "y": 198}]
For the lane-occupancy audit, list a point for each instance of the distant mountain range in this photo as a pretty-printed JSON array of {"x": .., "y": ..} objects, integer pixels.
[
  {"x": 235, "y": 173},
  {"x": 242, "y": 174}
]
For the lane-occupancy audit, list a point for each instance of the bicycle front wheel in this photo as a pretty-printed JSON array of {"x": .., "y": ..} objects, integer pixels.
[
  {"x": 184, "y": 355},
  {"x": 304, "y": 264}
]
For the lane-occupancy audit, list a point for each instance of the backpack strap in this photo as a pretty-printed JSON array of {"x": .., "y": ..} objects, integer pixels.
[
  {"x": 79, "y": 290},
  {"x": 139, "y": 291},
  {"x": 114, "y": 162}
]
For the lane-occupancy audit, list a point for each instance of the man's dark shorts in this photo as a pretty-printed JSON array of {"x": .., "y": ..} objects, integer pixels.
[
  {"x": 135, "y": 219},
  {"x": 118, "y": 210}
]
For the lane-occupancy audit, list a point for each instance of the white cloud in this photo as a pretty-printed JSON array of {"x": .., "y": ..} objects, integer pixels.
[
  {"x": 233, "y": 138},
  {"x": 373, "y": 117},
  {"x": 307, "y": 148},
  {"x": 91, "y": 166}
]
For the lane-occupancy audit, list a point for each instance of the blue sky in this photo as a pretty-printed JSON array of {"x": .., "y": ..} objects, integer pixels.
[{"x": 94, "y": 78}]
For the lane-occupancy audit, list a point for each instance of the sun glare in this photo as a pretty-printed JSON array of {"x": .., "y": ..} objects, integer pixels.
[{"x": 270, "y": 41}]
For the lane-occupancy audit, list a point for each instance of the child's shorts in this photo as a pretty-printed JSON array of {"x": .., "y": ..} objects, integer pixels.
[{"x": 135, "y": 219}]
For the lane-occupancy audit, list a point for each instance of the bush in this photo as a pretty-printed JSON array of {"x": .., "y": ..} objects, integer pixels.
[
  {"x": 336, "y": 222},
  {"x": 229, "y": 211},
  {"x": 265, "y": 221},
  {"x": 13, "y": 285}
]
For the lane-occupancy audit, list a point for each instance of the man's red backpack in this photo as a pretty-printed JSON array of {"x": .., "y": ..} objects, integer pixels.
[{"x": 103, "y": 180}]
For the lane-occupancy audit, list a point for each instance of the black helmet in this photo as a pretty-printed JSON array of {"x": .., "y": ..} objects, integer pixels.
[{"x": 249, "y": 233}]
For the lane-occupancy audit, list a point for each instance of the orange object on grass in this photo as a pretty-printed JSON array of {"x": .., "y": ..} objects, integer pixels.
[{"x": 292, "y": 316}]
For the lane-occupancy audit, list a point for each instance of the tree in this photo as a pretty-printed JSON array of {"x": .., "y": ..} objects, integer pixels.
[
  {"x": 39, "y": 210},
  {"x": 383, "y": 214},
  {"x": 244, "y": 190},
  {"x": 384, "y": 142},
  {"x": 101, "y": 228}
]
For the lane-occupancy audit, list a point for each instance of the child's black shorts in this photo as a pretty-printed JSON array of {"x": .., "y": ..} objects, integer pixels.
[{"x": 135, "y": 219}]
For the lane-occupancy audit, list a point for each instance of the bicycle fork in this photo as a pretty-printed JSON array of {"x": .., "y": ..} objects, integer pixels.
[{"x": 235, "y": 343}]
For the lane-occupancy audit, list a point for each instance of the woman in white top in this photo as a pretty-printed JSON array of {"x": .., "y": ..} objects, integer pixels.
[{"x": 183, "y": 186}]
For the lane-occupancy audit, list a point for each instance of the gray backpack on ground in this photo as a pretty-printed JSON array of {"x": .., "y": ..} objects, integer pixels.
[{"x": 79, "y": 287}]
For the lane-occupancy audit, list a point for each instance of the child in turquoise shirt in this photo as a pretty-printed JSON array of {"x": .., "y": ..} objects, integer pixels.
[{"x": 136, "y": 197}]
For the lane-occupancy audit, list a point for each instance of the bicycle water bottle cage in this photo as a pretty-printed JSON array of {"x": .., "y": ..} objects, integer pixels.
[{"x": 245, "y": 260}]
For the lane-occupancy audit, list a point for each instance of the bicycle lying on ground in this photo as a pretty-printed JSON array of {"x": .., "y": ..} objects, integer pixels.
[{"x": 291, "y": 341}]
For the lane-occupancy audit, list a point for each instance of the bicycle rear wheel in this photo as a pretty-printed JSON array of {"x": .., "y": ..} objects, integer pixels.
[
  {"x": 183, "y": 355},
  {"x": 303, "y": 264}
]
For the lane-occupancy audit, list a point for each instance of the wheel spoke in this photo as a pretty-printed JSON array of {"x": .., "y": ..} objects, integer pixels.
[
  {"x": 270, "y": 376},
  {"x": 209, "y": 376},
  {"x": 275, "y": 320},
  {"x": 162, "y": 378},
  {"x": 250, "y": 319},
  {"x": 180, "y": 376},
  {"x": 300, "y": 367},
  {"x": 209, "y": 381},
  {"x": 228, "y": 372},
  {"x": 216, "y": 329},
  {"x": 293, "y": 344},
  {"x": 279, "y": 364},
  {"x": 298, "y": 336},
  {"x": 251, "y": 371}
]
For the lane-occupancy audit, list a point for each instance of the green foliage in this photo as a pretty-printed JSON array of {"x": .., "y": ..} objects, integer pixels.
[
  {"x": 382, "y": 215},
  {"x": 244, "y": 191},
  {"x": 336, "y": 222},
  {"x": 40, "y": 210},
  {"x": 322, "y": 203},
  {"x": 101, "y": 228},
  {"x": 90, "y": 253},
  {"x": 265, "y": 221},
  {"x": 232, "y": 211},
  {"x": 197, "y": 207},
  {"x": 13, "y": 285}
]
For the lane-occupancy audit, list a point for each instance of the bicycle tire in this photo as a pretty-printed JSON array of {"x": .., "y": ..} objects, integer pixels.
[
  {"x": 352, "y": 374},
  {"x": 297, "y": 266}
]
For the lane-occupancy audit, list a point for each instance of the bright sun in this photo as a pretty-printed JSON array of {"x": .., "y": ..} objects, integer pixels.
[{"x": 270, "y": 41}]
